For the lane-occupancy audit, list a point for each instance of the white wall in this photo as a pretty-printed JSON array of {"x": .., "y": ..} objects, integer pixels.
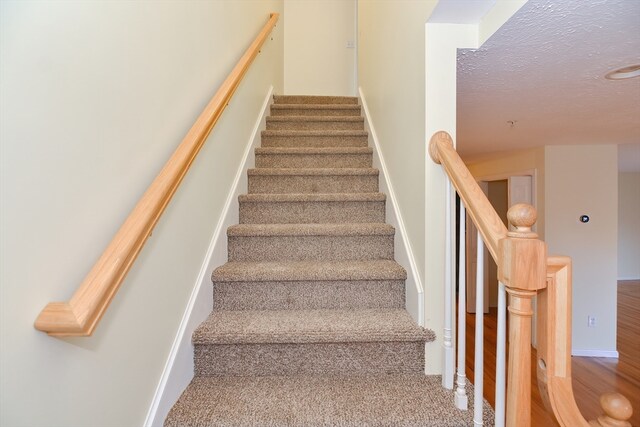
[
  {"x": 95, "y": 97},
  {"x": 442, "y": 43},
  {"x": 317, "y": 60},
  {"x": 629, "y": 226},
  {"x": 583, "y": 179}
]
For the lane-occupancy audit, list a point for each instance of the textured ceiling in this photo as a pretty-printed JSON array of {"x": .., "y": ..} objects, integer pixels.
[{"x": 544, "y": 71}]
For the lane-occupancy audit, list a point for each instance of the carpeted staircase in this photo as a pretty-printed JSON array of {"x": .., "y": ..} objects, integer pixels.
[{"x": 309, "y": 326}]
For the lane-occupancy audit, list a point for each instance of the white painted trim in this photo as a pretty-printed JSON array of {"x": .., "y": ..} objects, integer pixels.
[
  {"x": 501, "y": 358},
  {"x": 448, "y": 335},
  {"x": 178, "y": 370},
  {"x": 478, "y": 367},
  {"x": 594, "y": 353},
  {"x": 628, "y": 278},
  {"x": 405, "y": 255}
]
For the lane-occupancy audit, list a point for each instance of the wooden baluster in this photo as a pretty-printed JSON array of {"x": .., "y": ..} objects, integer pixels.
[
  {"x": 522, "y": 268},
  {"x": 617, "y": 411}
]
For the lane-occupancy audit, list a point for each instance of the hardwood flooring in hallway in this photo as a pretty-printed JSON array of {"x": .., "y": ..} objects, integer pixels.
[{"x": 592, "y": 376}]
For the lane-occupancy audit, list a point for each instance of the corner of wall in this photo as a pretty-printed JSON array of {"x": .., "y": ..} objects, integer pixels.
[
  {"x": 403, "y": 250},
  {"x": 497, "y": 16}
]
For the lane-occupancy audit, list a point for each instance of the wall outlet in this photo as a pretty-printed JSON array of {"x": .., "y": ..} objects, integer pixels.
[
  {"x": 591, "y": 321},
  {"x": 351, "y": 44}
]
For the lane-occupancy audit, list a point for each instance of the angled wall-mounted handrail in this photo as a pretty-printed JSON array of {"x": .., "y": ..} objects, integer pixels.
[{"x": 81, "y": 314}]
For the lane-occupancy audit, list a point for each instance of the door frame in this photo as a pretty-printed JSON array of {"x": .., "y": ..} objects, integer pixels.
[{"x": 533, "y": 173}]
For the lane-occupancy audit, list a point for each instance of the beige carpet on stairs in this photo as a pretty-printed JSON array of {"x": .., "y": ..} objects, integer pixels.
[{"x": 309, "y": 326}]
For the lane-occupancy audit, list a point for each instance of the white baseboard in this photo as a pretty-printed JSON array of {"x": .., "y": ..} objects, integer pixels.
[
  {"x": 628, "y": 278},
  {"x": 178, "y": 370},
  {"x": 403, "y": 251},
  {"x": 594, "y": 353}
]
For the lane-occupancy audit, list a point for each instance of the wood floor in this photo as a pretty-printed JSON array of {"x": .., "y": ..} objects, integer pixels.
[{"x": 592, "y": 376}]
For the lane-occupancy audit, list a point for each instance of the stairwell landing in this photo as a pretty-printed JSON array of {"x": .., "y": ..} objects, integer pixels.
[{"x": 309, "y": 326}]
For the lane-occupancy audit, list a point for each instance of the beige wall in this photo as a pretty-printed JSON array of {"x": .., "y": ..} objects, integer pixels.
[
  {"x": 407, "y": 72},
  {"x": 392, "y": 79},
  {"x": 391, "y": 76},
  {"x": 629, "y": 226},
  {"x": 317, "y": 60},
  {"x": 95, "y": 97},
  {"x": 583, "y": 179}
]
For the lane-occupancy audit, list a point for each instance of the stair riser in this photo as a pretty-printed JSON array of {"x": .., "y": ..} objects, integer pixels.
[
  {"x": 288, "y": 184},
  {"x": 320, "y": 358},
  {"x": 314, "y": 141},
  {"x": 315, "y": 125},
  {"x": 307, "y": 248},
  {"x": 314, "y": 160},
  {"x": 309, "y": 295},
  {"x": 311, "y": 212},
  {"x": 331, "y": 112},
  {"x": 314, "y": 99}
]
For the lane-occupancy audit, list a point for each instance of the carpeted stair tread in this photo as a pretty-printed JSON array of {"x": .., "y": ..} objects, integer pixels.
[
  {"x": 315, "y": 110},
  {"x": 312, "y": 171},
  {"x": 243, "y": 271},
  {"x": 315, "y": 138},
  {"x": 309, "y": 295},
  {"x": 347, "y": 229},
  {"x": 314, "y": 99},
  {"x": 357, "y": 119},
  {"x": 308, "y": 133},
  {"x": 312, "y": 208},
  {"x": 401, "y": 400},
  {"x": 312, "y": 197},
  {"x": 346, "y": 107},
  {"x": 309, "y": 326},
  {"x": 293, "y": 155},
  {"x": 314, "y": 150},
  {"x": 312, "y": 122}
]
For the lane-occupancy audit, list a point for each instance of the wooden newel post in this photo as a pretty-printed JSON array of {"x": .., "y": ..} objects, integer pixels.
[
  {"x": 617, "y": 411},
  {"x": 522, "y": 267}
]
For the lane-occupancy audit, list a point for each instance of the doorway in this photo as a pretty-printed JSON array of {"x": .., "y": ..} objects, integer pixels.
[{"x": 503, "y": 191}]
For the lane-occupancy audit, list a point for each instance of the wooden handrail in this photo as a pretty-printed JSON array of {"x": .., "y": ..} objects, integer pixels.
[
  {"x": 554, "y": 355},
  {"x": 80, "y": 315},
  {"x": 554, "y": 344},
  {"x": 478, "y": 206},
  {"x": 526, "y": 271}
]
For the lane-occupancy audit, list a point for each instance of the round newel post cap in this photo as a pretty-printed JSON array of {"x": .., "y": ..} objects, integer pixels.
[
  {"x": 616, "y": 407},
  {"x": 522, "y": 216}
]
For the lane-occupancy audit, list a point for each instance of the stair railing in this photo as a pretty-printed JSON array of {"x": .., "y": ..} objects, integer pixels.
[
  {"x": 524, "y": 271},
  {"x": 81, "y": 314}
]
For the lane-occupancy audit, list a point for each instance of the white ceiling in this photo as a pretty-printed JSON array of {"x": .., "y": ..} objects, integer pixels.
[{"x": 544, "y": 71}]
